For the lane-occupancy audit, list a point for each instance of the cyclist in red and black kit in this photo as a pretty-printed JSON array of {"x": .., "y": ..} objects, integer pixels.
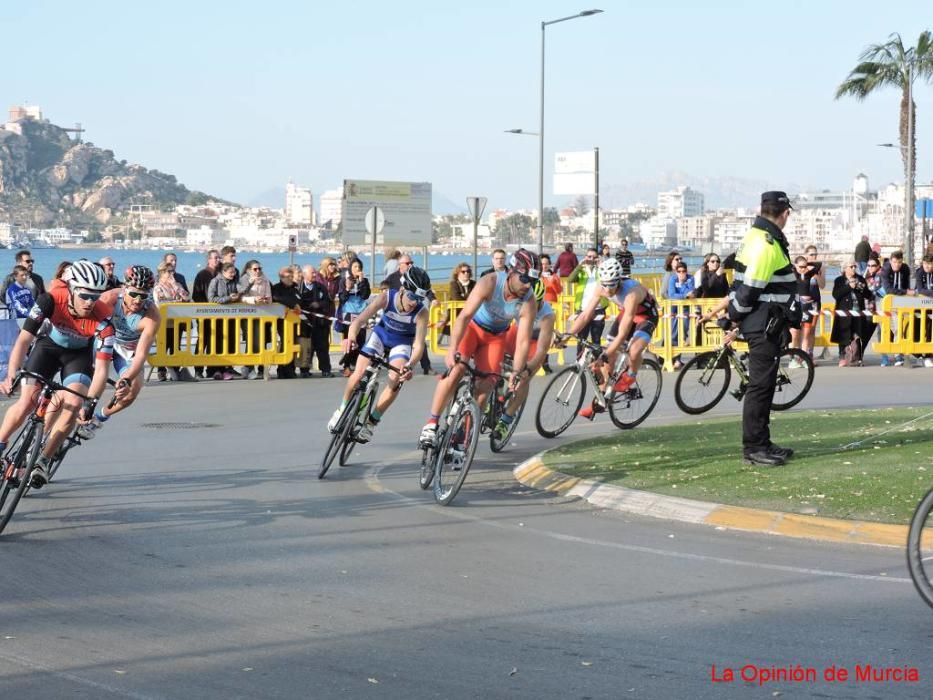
[{"x": 78, "y": 343}]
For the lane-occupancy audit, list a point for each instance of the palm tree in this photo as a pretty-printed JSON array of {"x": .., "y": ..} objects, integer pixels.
[{"x": 892, "y": 65}]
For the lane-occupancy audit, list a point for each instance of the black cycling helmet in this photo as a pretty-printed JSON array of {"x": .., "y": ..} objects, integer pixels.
[
  {"x": 526, "y": 264},
  {"x": 139, "y": 276},
  {"x": 417, "y": 281}
]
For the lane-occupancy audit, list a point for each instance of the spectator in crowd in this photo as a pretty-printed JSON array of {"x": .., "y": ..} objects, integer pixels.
[
  {"x": 605, "y": 253},
  {"x": 625, "y": 257},
  {"x": 109, "y": 266},
  {"x": 680, "y": 286},
  {"x": 19, "y": 299},
  {"x": 306, "y": 294},
  {"x": 34, "y": 282},
  {"x": 393, "y": 255},
  {"x": 223, "y": 290},
  {"x": 862, "y": 253},
  {"x": 923, "y": 286},
  {"x": 318, "y": 297},
  {"x": 228, "y": 255},
  {"x": 498, "y": 262},
  {"x": 875, "y": 285},
  {"x": 394, "y": 281},
  {"x": 552, "y": 284},
  {"x": 567, "y": 261},
  {"x": 285, "y": 292},
  {"x": 60, "y": 270},
  {"x": 895, "y": 279},
  {"x": 254, "y": 288},
  {"x": 585, "y": 281},
  {"x": 817, "y": 274},
  {"x": 343, "y": 262},
  {"x": 167, "y": 290},
  {"x": 461, "y": 282},
  {"x": 851, "y": 333},
  {"x": 808, "y": 298},
  {"x": 670, "y": 262},
  {"x": 354, "y": 291},
  {"x": 172, "y": 259},
  {"x": 202, "y": 281},
  {"x": 710, "y": 280}
]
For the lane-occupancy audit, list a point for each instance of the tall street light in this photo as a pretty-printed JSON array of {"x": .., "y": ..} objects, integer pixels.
[{"x": 544, "y": 25}]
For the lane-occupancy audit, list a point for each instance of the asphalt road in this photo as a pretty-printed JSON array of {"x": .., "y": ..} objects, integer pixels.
[{"x": 212, "y": 563}]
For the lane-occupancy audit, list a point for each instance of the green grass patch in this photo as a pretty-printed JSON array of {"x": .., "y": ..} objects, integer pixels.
[{"x": 881, "y": 480}]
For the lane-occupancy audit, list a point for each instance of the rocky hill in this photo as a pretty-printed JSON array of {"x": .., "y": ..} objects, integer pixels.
[{"x": 45, "y": 178}]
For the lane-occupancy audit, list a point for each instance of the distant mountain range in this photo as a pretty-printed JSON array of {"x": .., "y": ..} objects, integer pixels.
[{"x": 718, "y": 192}]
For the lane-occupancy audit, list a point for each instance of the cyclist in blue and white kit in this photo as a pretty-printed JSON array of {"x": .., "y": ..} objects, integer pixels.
[
  {"x": 398, "y": 337},
  {"x": 135, "y": 321}
]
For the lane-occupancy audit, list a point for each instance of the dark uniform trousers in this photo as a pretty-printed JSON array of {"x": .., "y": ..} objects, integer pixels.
[{"x": 763, "y": 354}]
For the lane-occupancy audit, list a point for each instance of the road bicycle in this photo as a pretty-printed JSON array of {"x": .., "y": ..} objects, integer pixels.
[
  {"x": 499, "y": 398},
  {"x": 21, "y": 456},
  {"x": 704, "y": 379},
  {"x": 920, "y": 548},
  {"x": 446, "y": 465},
  {"x": 355, "y": 415},
  {"x": 75, "y": 439},
  {"x": 563, "y": 396}
]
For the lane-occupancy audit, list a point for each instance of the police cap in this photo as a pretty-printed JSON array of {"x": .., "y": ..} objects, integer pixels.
[{"x": 776, "y": 197}]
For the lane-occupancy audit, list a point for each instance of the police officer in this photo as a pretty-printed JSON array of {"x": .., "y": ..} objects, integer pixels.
[{"x": 763, "y": 303}]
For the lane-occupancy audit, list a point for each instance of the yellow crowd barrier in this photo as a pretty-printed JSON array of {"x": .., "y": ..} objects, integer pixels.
[
  {"x": 906, "y": 325},
  {"x": 217, "y": 335}
]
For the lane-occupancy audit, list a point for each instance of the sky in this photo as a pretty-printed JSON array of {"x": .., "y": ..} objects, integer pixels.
[{"x": 236, "y": 98}]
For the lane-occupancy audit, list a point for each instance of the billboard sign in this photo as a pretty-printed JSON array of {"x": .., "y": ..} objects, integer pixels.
[
  {"x": 575, "y": 172},
  {"x": 405, "y": 206}
]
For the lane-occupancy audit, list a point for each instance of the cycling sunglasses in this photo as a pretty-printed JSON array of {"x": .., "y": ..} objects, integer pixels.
[
  {"x": 529, "y": 277},
  {"x": 88, "y": 296},
  {"x": 138, "y": 295}
]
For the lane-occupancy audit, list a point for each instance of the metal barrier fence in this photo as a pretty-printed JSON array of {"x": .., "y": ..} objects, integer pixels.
[
  {"x": 217, "y": 335},
  {"x": 906, "y": 325}
]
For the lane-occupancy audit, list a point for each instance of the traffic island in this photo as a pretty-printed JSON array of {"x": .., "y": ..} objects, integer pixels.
[{"x": 856, "y": 475}]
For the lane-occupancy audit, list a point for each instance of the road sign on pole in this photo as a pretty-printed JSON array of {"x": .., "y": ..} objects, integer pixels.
[
  {"x": 477, "y": 206},
  {"x": 374, "y": 221},
  {"x": 292, "y": 248}
]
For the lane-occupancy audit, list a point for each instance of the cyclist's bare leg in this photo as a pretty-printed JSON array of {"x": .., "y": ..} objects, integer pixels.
[
  {"x": 445, "y": 389},
  {"x": 391, "y": 389},
  {"x": 636, "y": 350},
  {"x": 135, "y": 387},
  {"x": 483, "y": 387},
  {"x": 65, "y": 421},
  {"x": 362, "y": 362},
  {"x": 16, "y": 414}
]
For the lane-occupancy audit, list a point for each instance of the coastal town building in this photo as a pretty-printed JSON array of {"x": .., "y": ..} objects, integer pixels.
[
  {"x": 299, "y": 205},
  {"x": 331, "y": 208},
  {"x": 680, "y": 202}
]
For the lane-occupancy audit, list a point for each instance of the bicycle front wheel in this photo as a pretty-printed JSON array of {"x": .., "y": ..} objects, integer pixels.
[
  {"x": 16, "y": 474},
  {"x": 794, "y": 379},
  {"x": 920, "y": 548},
  {"x": 359, "y": 420},
  {"x": 702, "y": 382},
  {"x": 629, "y": 408},
  {"x": 498, "y": 443},
  {"x": 341, "y": 433},
  {"x": 561, "y": 401},
  {"x": 455, "y": 454}
]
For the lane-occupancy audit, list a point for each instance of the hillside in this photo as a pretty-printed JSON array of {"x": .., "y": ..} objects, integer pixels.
[{"x": 46, "y": 178}]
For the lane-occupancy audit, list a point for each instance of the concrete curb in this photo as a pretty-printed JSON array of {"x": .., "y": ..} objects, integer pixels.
[{"x": 533, "y": 473}]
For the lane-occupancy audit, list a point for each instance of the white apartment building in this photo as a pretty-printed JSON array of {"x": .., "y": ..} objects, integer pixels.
[
  {"x": 813, "y": 226},
  {"x": 463, "y": 236},
  {"x": 331, "y": 207},
  {"x": 680, "y": 202},
  {"x": 658, "y": 232},
  {"x": 696, "y": 231},
  {"x": 206, "y": 237},
  {"x": 729, "y": 231},
  {"x": 299, "y": 205}
]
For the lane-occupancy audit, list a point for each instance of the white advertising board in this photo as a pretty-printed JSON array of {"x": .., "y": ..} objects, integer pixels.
[
  {"x": 574, "y": 183},
  {"x": 575, "y": 162},
  {"x": 406, "y": 207}
]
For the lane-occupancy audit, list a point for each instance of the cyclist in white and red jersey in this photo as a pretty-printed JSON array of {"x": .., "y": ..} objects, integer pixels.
[
  {"x": 78, "y": 343},
  {"x": 135, "y": 321}
]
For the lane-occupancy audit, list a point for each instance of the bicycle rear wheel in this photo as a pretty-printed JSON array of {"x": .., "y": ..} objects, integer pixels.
[
  {"x": 16, "y": 474},
  {"x": 359, "y": 420},
  {"x": 629, "y": 408},
  {"x": 561, "y": 401},
  {"x": 455, "y": 454},
  {"x": 702, "y": 382},
  {"x": 70, "y": 441},
  {"x": 794, "y": 379},
  {"x": 920, "y": 548},
  {"x": 341, "y": 433},
  {"x": 426, "y": 473}
]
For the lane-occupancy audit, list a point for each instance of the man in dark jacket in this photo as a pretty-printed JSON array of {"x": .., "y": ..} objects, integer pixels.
[
  {"x": 923, "y": 286},
  {"x": 895, "y": 276},
  {"x": 109, "y": 266},
  {"x": 202, "y": 282},
  {"x": 862, "y": 253},
  {"x": 34, "y": 282},
  {"x": 625, "y": 258},
  {"x": 285, "y": 292},
  {"x": 567, "y": 261},
  {"x": 314, "y": 298}
]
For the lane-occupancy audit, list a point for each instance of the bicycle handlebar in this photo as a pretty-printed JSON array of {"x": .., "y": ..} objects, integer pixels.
[
  {"x": 471, "y": 369},
  {"x": 52, "y": 385}
]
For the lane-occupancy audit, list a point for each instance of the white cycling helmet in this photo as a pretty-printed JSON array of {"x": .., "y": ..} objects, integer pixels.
[
  {"x": 610, "y": 272},
  {"x": 86, "y": 275}
]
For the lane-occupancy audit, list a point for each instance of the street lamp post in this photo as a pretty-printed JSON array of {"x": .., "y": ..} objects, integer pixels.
[{"x": 544, "y": 25}]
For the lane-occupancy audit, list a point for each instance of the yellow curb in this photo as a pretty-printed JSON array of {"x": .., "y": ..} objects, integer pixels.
[{"x": 533, "y": 473}]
